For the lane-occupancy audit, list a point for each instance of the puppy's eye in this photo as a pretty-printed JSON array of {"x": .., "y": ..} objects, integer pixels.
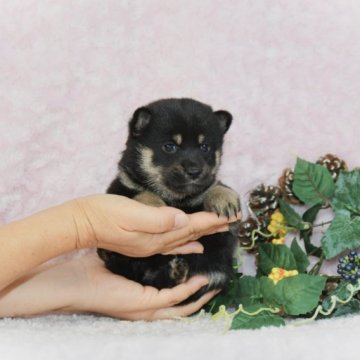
[
  {"x": 204, "y": 147},
  {"x": 170, "y": 148}
]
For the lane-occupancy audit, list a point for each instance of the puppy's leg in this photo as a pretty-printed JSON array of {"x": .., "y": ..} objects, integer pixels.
[
  {"x": 149, "y": 198},
  {"x": 222, "y": 200},
  {"x": 179, "y": 269}
]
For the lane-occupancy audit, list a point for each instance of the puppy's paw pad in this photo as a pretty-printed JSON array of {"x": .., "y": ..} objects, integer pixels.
[
  {"x": 223, "y": 201},
  {"x": 179, "y": 270}
]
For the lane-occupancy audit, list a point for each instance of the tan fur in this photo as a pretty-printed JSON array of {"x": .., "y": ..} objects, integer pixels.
[
  {"x": 178, "y": 270},
  {"x": 147, "y": 165},
  {"x": 124, "y": 179},
  {"x": 216, "y": 279},
  {"x": 217, "y": 162},
  {"x": 178, "y": 139},
  {"x": 149, "y": 198}
]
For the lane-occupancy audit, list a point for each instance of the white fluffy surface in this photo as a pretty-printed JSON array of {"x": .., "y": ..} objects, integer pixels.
[
  {"x": 88, "y": 337},
  {"x": 71, "y": 74}
]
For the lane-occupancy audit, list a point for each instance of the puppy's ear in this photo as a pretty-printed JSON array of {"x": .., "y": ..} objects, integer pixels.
[
  {"x": 224, "y": 118},
  {"x": 140, "y": 121}
]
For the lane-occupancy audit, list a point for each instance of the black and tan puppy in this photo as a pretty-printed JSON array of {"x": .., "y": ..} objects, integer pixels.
[{"x": 172, "y": 157}]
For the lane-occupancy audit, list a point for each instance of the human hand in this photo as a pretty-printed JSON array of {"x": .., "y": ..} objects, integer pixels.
[
  {"x": 128, "y": 227},
  {"x": 119, "y": 297},
  {"x": 85, "y": 285}
]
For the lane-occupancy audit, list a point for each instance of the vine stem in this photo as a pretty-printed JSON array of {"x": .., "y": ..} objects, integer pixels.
[
  {"x": 322, "y": 224},
  {"x": 334, "y": 300},
  {"x": 316, "y": 268},
  {"x": 224, "y": 314},
  {"x": 253, "y": 240}
]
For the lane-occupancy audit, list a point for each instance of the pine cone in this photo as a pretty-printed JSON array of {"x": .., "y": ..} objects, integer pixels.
[
  {"x": 286, "y": 185},
  {"x": 333, "y": 164},
  {"x": 247, "y": 227},
  {"x": 264, "y": 200}
]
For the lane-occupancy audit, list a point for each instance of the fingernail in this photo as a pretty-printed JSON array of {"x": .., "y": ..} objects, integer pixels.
[
  {"x": 181, "y": 220},
  {"x": 196, "y": 248}
]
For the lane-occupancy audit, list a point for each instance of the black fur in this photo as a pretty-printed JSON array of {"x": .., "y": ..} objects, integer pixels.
[{"x": 173, "y": 152}]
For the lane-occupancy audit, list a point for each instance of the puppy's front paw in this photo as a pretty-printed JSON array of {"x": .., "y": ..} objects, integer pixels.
[
  {"x": 149, "y": 198},
  {"x": 223, "y": 201},
  {"x": 179, "y": 270}
]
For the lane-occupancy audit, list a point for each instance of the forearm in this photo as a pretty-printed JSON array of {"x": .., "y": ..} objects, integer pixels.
[
  {"x": 32, "y": 241},
  {"x": 56, "y": 288}
]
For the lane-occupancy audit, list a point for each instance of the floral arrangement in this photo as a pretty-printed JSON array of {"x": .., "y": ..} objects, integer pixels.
[{"x": 286, "y": 287}]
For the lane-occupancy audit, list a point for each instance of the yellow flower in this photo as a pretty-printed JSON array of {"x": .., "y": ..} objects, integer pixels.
[
  {"x": 278, "y": 216},
  {"x": 277, "y": 226},
  {"x": 279, "y": 241},
  {"x": 278, "y": 274}
]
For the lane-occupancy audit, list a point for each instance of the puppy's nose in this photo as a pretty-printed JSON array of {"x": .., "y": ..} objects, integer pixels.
[{"x": 193, "y": 172}]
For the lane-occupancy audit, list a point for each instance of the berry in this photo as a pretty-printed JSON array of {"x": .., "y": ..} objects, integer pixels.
[{"x": 349, "y": 266}]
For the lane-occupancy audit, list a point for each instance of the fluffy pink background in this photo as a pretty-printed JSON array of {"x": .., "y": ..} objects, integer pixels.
[{"x": 72, "y": 73}]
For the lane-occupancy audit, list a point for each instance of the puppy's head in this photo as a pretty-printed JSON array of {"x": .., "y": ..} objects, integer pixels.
[{"x": 176, "y": 146}]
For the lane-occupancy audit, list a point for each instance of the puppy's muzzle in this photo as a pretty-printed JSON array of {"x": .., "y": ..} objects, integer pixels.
[{"x": 193, "y": 172}]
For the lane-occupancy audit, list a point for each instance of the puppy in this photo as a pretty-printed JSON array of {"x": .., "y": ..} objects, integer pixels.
[{"x": 172, "y": 157}]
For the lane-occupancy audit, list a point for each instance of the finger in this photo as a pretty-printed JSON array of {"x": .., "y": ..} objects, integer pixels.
[
  {"x": 154, "y": 220},
  {"x": 169, "y": 297},
  {"x": 222, "y": 229},
  {"x": 193, "y": 247},
  {"x": 171, "y": 240},
  {"x": 185, "y": 310},
  {"x": 201, "y": 223}
]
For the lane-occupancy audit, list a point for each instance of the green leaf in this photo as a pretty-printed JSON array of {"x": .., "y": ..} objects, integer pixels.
[
  {"x": 297, "y": 295},
  {"x": 249, "y": 291},
  {"x": 301, "y": 293},
  {"x": 302, "y": 261},
  {"x": 271, "y": 296},
  {"x": 264, "y": 318},
  {"x": 313, "y": 183},
  {"x": 309, "y": 216},
  {"x": 292, "y": 218},
  {"x": 342, "y": 234},
  {"x": 229, "y": 298},
  {"x": 271, "y": 256},
  {"x": 353, "y": 306},
  {"x": 347, "y": 192}
]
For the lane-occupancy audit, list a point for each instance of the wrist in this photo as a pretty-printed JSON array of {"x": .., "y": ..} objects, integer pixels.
[{"x": 83, "y": 232}]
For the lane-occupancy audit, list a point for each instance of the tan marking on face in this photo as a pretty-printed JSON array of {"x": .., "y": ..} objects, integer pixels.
[
  {"x": 177, "y": 138},
  {"x": 201, "y": 138},
  {"x": 124, "y": 179},
  {"x": 147, "y": 165},
  {"x": 217, "y": 162}
]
